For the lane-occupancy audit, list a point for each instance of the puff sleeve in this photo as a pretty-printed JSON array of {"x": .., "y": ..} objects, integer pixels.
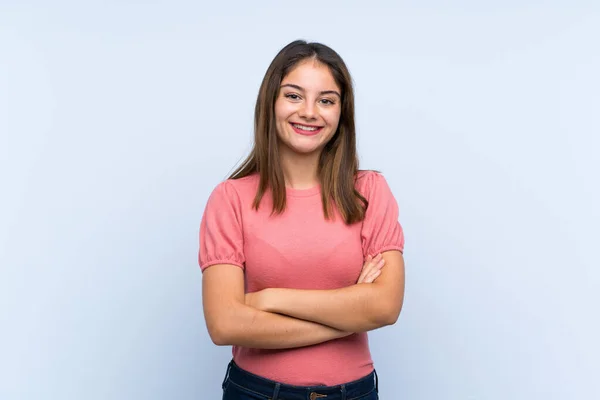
[
  {"x": 221, "y": 235},
  {"x": 381, "y": 230}
]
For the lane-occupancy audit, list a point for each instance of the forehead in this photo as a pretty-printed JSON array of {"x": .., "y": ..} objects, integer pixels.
[{"x": 311, "y": 75}]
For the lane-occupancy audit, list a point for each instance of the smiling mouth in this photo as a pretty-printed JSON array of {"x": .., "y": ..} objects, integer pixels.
[{"x": 306, "y": 129}]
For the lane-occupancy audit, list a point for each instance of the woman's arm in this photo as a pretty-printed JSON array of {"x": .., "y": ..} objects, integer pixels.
[
  {"x": 357, "y": 308},
  {"x": 231, "y": 322}
]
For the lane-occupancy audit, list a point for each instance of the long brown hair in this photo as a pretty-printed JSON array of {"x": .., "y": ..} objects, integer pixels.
[{"x": 338, "y": 163}]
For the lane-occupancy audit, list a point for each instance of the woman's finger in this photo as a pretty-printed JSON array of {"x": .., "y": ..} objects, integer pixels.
[
  {"x": 372, "y": 276},
  {"x": 372, "y": 265},
  {"x": 376, "y": 269},
  {"x": 365, "y": 266},
  {"x": 365, "y": 269}
]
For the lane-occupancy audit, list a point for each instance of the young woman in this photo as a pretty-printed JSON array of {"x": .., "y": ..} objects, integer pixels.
[{"x": 293, "y": 245}]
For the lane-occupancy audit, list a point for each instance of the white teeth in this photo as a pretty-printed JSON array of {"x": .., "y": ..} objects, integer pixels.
[{"x": 305, "y": 128}]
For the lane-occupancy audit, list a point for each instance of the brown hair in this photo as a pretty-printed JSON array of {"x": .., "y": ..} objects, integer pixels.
[{"x": 338, "y": 163}]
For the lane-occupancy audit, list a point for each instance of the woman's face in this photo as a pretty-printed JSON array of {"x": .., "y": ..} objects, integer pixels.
[{"x": 307, "y": 110}]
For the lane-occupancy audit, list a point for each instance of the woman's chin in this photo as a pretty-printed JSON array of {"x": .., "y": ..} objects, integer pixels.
[
  {"x": 307, "y": 150},
  {"x": 305, "y": 146}
]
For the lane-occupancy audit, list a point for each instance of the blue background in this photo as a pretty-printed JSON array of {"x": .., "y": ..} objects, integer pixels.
[{"x": 118, "y": 118}]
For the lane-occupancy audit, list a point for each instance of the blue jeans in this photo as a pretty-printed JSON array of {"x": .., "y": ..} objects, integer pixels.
[{"x": 242, "y": 385}]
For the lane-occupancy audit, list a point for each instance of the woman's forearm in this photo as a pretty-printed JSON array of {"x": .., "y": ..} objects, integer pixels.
[
  {"x": 357, "y": 308},
  {"x": 248, "y": 327}
]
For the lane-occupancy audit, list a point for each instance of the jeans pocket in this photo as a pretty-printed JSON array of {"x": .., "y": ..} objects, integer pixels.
[{"x": 233, "y": 391}]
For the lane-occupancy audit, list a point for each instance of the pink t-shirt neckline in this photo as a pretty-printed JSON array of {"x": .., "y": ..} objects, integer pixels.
[{"x": 303, "y": 192}]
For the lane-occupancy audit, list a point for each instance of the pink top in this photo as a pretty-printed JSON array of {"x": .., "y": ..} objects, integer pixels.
[{"x": 299, "y": 249}]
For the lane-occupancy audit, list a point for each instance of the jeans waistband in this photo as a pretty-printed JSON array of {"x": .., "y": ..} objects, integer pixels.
[{"x": 275, "y": 390}]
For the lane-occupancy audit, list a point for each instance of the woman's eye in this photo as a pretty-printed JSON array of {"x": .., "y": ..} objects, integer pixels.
[
  {"x": 292, "y": 96},
  {"x": 327, "y": 101}
]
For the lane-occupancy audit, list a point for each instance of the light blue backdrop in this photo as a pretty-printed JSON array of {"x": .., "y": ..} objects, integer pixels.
[{"x": 118, "y": 118}]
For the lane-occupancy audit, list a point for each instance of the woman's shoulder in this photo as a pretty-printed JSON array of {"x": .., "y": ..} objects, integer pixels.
[
  {"x": 366, "y": 179},
  {"x": 244, "y": 183},
  {"x": 363, "y": 174},
  {"x": 239, "y": 187}
]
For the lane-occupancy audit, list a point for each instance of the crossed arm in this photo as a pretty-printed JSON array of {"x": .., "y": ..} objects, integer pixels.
[{"x": 286, "y": 318}]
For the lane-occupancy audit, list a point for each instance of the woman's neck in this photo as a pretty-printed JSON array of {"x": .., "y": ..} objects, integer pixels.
[{"x": 300, "y": 170}]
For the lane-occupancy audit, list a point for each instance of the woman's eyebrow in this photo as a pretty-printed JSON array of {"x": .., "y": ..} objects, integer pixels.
[{"x": 302, "y": 89}]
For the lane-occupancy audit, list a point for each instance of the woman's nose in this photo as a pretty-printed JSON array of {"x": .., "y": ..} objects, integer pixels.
[{"x": 308, "y": 111}]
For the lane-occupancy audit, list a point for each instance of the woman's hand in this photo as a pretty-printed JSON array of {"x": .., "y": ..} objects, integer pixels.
[{"x": 371, "y": 269}]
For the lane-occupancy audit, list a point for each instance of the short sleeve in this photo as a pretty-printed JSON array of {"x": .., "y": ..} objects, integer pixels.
[
  {"x": 381, "y": 230},
  {"x": 221, "y": 235}
]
